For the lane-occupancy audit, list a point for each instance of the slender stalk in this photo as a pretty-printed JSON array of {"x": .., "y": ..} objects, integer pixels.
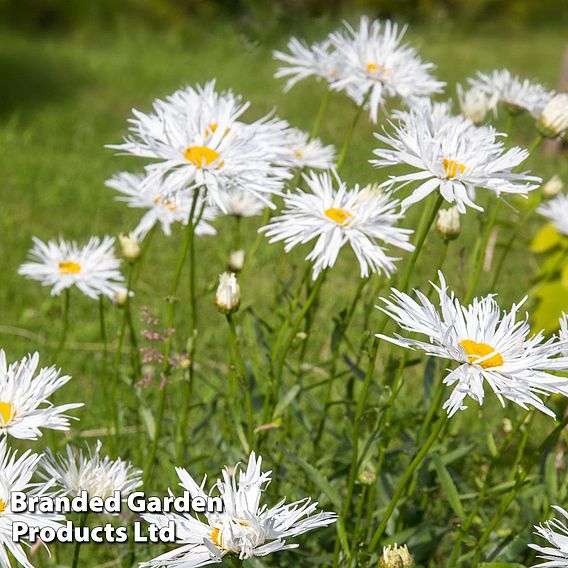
[
  {"x": 349, "y": 136},
  {"x": 321, "y": 113},
  {"x": 520, "y": 478},
  {"x": 242, "y": 375},
  {"x": 181, "y": 436},
  {"x": 110, "y": 404},
  {"x": 277, "y": 379},
  {"x": 513, "y": 238},
  {"x": 406, "y": 476},
  {"x": 420, "y": 238},
  {"x": 478, "y": 267},
  {"x": 77, "y": 548},
  {"x": 65, "y": 324},
  {"x": 189, "y": 231},
  {"x": 536, "y": 143}
]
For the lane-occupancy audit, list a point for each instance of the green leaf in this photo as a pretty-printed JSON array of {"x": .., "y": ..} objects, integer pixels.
[
  {"x": 448, "y": 487},
  {"x": 317, "y": 478},
  {"x": 546, "y": 238},
  {"x": 286, "y": 400},
  {"x": 553, "y": 300}
]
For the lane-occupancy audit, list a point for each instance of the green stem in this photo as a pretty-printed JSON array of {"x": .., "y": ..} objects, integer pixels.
[
  {"x": 536, "y": 143},
  {"x": 190, "y": 229},
  {"x": 65, "y": 324},
  {"x": 348, "y": 137},
  {"x": 480, "y": 257},
  {"x": 420, "y": 238},
  {"x": 188, "y": 384},
  {"x": 110, "y": 404},
  {"x": 406, "y": 476},
  {"x": 321, "y": 113},
  {"x": 243, "y": 377},
  {"x": 277, "y": 379},
  {"x": 77, "y": 548},
  {"x": 514, "y": 236}
]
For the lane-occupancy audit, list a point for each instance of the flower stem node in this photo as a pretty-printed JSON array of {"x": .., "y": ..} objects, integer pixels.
[
  {"x": 396, "y": 557},
  {"x": 448, "y": 224},
  {"x": 228, "y": 296},
  {"x": 130, "y": 246}
]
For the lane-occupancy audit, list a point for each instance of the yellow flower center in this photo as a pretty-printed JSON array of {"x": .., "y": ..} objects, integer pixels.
[
  {"x": 165, "y": 203},
  {"x": 216, "y": 537},
  {"x": 201, "y": 155},
  {"x": 298, "y": 154},
  {"x": 452, "y": 168},
  {"x": 338, "y": 215},
  {"x": 6, "y": 412},
  {"x": 476, "y": 351},
  {"x": 372, "y": 68},
  {"x": 2, "y": 505},
  {"x": 68, "y": 267}
]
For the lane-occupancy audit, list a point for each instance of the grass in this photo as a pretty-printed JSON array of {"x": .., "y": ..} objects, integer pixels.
[{"x": 63, "y": 99}]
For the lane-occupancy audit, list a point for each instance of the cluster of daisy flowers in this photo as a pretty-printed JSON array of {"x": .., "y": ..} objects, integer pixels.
[{"x": 202, "y": 160}]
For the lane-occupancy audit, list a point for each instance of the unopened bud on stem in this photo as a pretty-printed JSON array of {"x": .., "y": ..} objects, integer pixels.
[
  {"x": 448, "y": 224},
  {"x": 228, "y": 296}
]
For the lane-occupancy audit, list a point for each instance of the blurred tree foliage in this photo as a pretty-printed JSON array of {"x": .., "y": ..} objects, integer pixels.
[{"x": 58, "y": 15}]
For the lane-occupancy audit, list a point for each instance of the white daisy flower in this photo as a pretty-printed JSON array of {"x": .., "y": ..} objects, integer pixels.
[
  {"x": 556, "y": 533},
  {"x": 451, "y": 156},
  {"x": 162, "y": 209},
  {"x": 244, "y": 528},
  {"x": 490, "y": 346},
  {"x": 475, "y": 103},
  {"x": 93, "y": 268},
  {"x": 24, "y": 398},
  {"x": 553, "y": 121},
  {"x": 15, "y": 476},
  {"x": 519, "y": 95},
  {"x": 556, "y": 211},
  {"x": 197, "y": 141},
  {"x": 306, "y": 153},
  {"x": 99, "y": 476},
  {"x": 365, "y": 219},
  {"x": 379, "y": 66},
  {"x": 319, "y": 60},
  {"x": 240, "y": 203}
]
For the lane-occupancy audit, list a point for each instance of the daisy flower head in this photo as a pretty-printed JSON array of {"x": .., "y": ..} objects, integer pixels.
[
  {"x": 240, "y": 203},
  {"x": 553, "y": 121},
  {"x": 556, "y": 533},
  {"x": 518, "y": 95},
  {"x": 319, "y": 60},
  {"x": 24, "y": 398},
  {"x": 378, "y": 66},
  {"x": 334, "y": 216},
  {"x": 162, "y": 209},
  {"x": 244, "y": 528},
  {"x": 197, "y": 140},
  {"x": 92, "y": 268},
  {"x": 490, "y": 345},
  {"x": 15, "y": 476},
  {"x": 75, "y": 471},
  {"x": 308, "y": 153},
  {"x": 475, "y": 103},
  {"x": 452, "y": 156},
  {"x": 556, "y": 211}
]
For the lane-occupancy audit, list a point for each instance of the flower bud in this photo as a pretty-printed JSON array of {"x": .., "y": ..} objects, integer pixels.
[
  {"x": 474, "y": 104},
  {"x": 367, "y": 477},
  {"x": 120, "y": 298},
  {"x": 236, "y": 260},
  {"x": 228, "y": 296},
  {"x": 552, "y": 187},
  {"x": 130, "y": 246},
  {"x": 553, "y": 121},
  {"x": 448, "y": 224},
  {"x": 396, "y": 557}
]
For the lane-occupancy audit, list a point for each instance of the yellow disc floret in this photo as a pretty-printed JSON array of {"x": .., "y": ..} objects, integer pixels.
[{"x": 476, "y": 351}]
